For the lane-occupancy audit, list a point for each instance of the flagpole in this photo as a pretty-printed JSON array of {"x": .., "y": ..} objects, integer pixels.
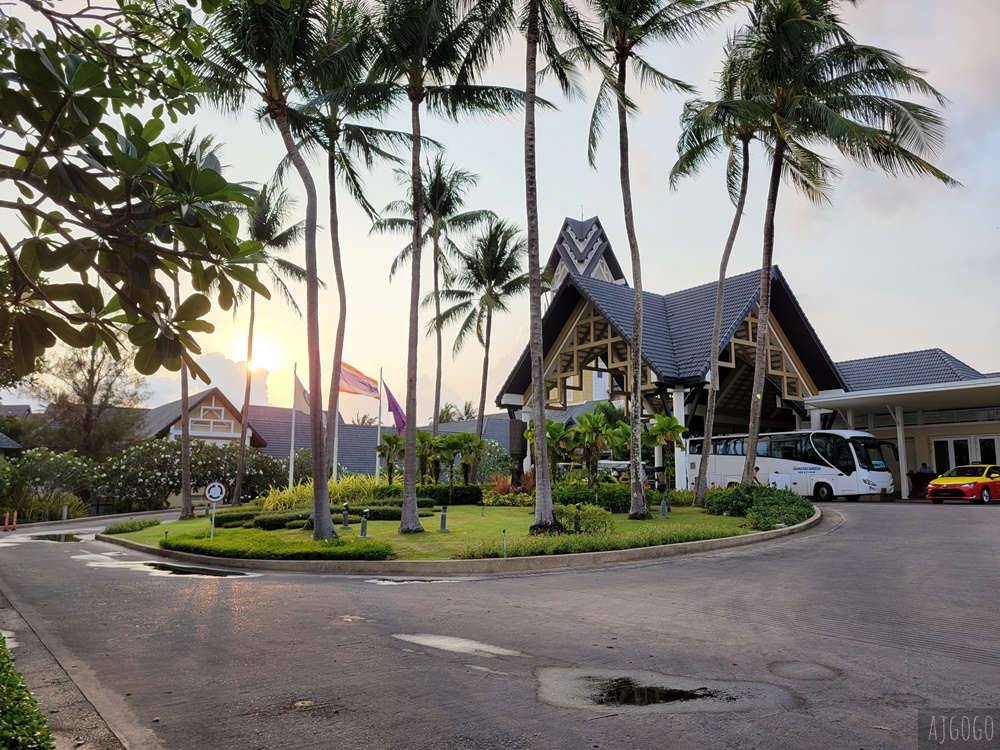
[
  {"x": 336, "y": 435},
  {"x": 291, "y": 451},
  {"x": 378, "y": 435}
]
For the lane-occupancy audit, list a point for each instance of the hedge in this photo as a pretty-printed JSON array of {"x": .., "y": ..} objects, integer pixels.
[
  {"x": 257, "y": 544},
  {"x": 592, "y": 518},
  {"x": 132, "y": 524},
  {"x": 441, "y": 494},
  {"x": 22, "y": 724},
  {"x": 763, "y": 505},
  {"x": 273, "y": 521},
  {"x": 611, "y": 496}
]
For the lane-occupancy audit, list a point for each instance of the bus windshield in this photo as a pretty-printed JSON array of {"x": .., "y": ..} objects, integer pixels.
[{"x": 869, "y": 453}]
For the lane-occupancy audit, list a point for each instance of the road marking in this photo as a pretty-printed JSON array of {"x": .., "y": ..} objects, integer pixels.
[{"x": 458, "y": 645}]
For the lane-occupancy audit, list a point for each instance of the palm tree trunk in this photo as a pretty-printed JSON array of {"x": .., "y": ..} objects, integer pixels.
[
  {"x": 764, "y": 314},
  {"x": 438, "y": 334},
  {"x": 187, "y": 501},
  {"x": 241, "y": 454},
  {"x": 720, "y": 291},
  {"x": 637, "y": 508},
  {"x": 333, "y": 410},
  {"x": 410, "y": 520},
  {"x": 545, "y": 518},
  {"x": 322, "y": 521},
  {"x": 480, "y": 417}
]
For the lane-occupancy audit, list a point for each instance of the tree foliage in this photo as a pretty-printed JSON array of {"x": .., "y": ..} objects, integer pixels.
[{"x": 103, "y": 197}]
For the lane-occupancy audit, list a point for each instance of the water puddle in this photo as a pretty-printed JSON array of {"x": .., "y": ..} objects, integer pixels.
[
  {"x": 56, "y": 538},
  {"x": 184, "y": 570},
  {"x": 628, "y": 691},
  {"x": 624, "y": 691}
]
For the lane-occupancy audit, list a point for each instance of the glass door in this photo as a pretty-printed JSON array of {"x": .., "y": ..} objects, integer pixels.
[
  {"x": 987, "y": 450},
  {"x": 949, "y": 452}
]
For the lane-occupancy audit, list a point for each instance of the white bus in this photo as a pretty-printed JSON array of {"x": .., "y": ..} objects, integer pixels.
[{"x": 821, "y": 464}]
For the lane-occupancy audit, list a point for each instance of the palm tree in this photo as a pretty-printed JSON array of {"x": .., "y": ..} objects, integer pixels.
[
  {"x": 628, "y": 26},
  {"x": 329, "y": 120},
  {"x": 445, "y": 188},
  {"x": 265, "y": 49},
  {"x": 265, "y": 220},
  {"x": 487, "y": 279},
  {"x": 818, "y": 85},
  {"x": 432, "y": 52}
]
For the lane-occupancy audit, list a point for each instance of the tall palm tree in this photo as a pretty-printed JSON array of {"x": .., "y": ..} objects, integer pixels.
[
  {"x": 333, "y": 121},
  {"x": 544, "y": 23},
  {"x": 265, "y": 225},
  {"x": 819, "y": 86},
  {"x": 488, "y": 277},
  {"x": 730, "y": 124},
  {"x": 264, "y": 50},
  {"x": 445, "y": 187},
  {"x": 627, "y": 27},
  {"x": 433, "y": 52}
]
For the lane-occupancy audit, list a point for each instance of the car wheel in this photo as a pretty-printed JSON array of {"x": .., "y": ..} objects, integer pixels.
[
  {"x": 937, "y": 500},
  {"x": 822, "y": 493},
  {"x": 984, "y": 495}
]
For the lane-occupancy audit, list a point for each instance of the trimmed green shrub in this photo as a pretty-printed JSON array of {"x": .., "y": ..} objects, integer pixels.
[
  {"x": 593, "y": 519},
  {"x": 22, "y": 724},
  {"x": 387, "y": 490},
  {"x": 611, "y": 496},
  {"x": 272, "y": 521},
  {"x": 460, "y": 494},
  {"x": 778, "y": 506},
  {"x": 257, "y": 544},
  {"x": 233, "y": 517},
  {"x": 562, "y": 544},
  {"x": 132, "y": 524},
  {"x": 381, "y": 502},
  {"x": 681, "y": 498},
  {"x": 512, "y": 500},
  {"x": 733, "y": 501}
]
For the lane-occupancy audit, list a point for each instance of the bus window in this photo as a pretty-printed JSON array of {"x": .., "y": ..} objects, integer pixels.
[
  {"x": 843, "y": 459},
  {"x": 762, "y": 445}
]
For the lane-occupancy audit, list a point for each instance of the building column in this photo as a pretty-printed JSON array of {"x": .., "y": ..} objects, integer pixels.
[
  {"x": 815, "y": 419},
  {"x": 680, "y": 455},
  {"x": 657, "y": 460},
  {"x": 904, "y": 481},
  {"x": 850, "y": 419}
]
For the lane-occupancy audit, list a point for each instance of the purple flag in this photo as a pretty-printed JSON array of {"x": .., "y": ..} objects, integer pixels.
[{"x": 397, "y": 413}]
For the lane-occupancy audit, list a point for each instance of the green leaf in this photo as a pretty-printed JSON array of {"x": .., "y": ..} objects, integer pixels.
[
  {"x": 23, "y": 346},
  {"x": 152, "y": 129},
  {"x": 148, "y": 359},
  {"x": 247, "y": 277},
  {"x": 200, "y": 326},
  {"x": 35, "y": 70},
  {"x": 208, "y": 183},
  {"x": 88, "y": 75},
  {"x": 142, "y": 333},
  {"x": 195, "y": 306}
]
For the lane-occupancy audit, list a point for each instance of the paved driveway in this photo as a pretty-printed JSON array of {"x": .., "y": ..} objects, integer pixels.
[{"x": 832, "y": 639}]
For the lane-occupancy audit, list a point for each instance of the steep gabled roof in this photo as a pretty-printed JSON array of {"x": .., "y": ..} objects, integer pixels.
[
  {"x": 906, "y": 369},
  {"x": 581, "y": 245},
  {"x": 6, "y": 444},
  {"x": 157, "y": 422},
  {"x": 677, "y": 327}
]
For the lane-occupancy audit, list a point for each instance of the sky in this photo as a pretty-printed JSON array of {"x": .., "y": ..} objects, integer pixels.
[{"x": 889, "y": 265}]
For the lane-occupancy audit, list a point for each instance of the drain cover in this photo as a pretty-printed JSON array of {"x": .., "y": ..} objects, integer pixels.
[
  {"x": 184, "y": 570},
  {"x": 56, "y": 538}
]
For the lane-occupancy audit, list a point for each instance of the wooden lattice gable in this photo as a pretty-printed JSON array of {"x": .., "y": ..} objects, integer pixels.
[
  {"x": 212, "y": 417},
  {"x": 583, "y": 249}
]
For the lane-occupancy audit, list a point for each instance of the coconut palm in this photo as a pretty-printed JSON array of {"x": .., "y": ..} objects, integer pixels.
[
  {"x": 265, "y": 221},
  {"x": 433, "y": 52},
  {"x": 730, "y": 124},
  {"x": 819, "y": 86},
  {"x": 333, "y": 121},
  {"x": 445, "y": 187},
  {"x": 263, "y": 50},
  {"x": 487, "y": 278},
  {"x": 628, "y": 26}
]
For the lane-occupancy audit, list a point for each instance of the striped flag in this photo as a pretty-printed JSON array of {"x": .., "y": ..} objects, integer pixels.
[
  {"x": 301, "y": 399},
  {"x": 356, "y": 382}
]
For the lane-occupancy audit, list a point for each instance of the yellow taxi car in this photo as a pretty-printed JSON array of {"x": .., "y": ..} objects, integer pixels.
[{"x": 977, "y": 483}]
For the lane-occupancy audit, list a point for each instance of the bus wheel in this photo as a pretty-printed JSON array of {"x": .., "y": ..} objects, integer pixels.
[{"x": 822, "y": 493}]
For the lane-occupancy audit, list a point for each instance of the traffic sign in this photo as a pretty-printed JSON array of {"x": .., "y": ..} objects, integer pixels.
[{"x": 215, "y": 492}]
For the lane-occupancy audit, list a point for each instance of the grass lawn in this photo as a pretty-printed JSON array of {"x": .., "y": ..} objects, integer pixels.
[{"x": 468, "y": 526}]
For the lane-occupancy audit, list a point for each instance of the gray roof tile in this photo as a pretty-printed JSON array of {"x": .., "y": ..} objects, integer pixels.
[
  {"x": 907, "y": 369},
  {"x": 7, "y": 444}
]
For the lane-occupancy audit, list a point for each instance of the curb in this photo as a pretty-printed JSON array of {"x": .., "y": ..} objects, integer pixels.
[{"x": 470, "y": 567}]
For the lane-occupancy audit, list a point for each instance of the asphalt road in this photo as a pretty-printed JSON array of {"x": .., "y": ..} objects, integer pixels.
[{"x": 830, "y": 639}]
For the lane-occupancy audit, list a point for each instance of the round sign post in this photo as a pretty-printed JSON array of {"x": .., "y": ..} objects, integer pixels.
[{"x": 214, "y": 494}]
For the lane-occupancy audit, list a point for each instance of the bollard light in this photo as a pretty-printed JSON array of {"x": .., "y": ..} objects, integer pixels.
[
  {"x": 347, "y": 520},
  {"x": 663, "y": 508},
  {"x": 364, "y": 525},
  {"x": 576, "y": 519},
  {"x": 444, "y": 520}
]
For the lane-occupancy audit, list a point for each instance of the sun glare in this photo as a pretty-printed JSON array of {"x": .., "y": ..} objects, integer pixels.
[{"x": 266, "y": 355}]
